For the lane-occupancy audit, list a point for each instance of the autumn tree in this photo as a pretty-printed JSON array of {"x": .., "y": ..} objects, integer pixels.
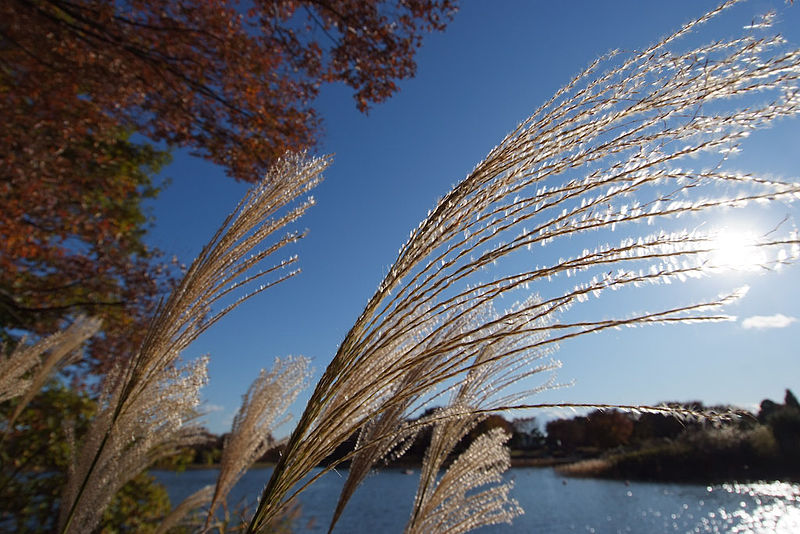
[
  {"x": 656, "y": 426},
  {"x": 71, "y": 234},
  {"x": 566, "y": 434},
  {"x": 607, "y": 429},
  {"x": 234, "y": 85}
]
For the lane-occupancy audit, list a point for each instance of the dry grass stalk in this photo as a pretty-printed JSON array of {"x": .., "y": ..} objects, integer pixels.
[
  {"x": 25, "y": 371},
  {"x": 603, "y": 153},
  {"x": 196, "y": 500},
  {"x": 453, "y": 507},
  {"x": 129, "y": 419},
  {"x": 440, "y": 504},
  {"x": 263, "y": 409},
  {"x": 584, "y": 468},
  {"x": 379, "y": 438},
  {"x": 156, "y": 425},
  {"x": 386, "y": 434}
]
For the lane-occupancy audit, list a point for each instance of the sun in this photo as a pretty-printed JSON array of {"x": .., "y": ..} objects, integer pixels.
[{"x": 737, "y": 250}]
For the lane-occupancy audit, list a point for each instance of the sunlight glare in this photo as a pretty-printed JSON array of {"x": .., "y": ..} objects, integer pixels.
[{"x": 737, "y": 250}]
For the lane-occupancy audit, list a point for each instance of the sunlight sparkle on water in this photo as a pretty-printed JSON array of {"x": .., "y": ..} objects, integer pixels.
[
  {"x": 758, "y": 508},
  {"x": 765, "y": 507}
]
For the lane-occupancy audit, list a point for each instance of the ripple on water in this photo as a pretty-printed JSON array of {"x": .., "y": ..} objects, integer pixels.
[{"x": 579, "y": 505}]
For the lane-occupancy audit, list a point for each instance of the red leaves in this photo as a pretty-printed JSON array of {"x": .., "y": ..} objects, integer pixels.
[
  {"x": 234, "y": 86},
  {"x": 77, "y": 76}
]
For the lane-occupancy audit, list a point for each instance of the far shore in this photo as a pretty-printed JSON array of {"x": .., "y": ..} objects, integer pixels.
[
  {"x": 580, "y": 468},
  {"x": 515, "y": 462}
]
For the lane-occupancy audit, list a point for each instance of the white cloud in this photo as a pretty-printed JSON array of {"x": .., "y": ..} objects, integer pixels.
[
  {"x": 213, "y": 408},
  {"x": 768, "y": 321}
]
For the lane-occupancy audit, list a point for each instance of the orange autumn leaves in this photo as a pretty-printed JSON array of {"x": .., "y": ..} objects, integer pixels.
[{"x": 236, "y": 87}]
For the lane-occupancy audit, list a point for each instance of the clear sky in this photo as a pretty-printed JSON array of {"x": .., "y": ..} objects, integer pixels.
[{"x": 496, "y": 62}]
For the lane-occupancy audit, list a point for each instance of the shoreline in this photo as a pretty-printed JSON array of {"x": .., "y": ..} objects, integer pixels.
[
  {"x": 598, "y": 468},
  {"x": 609, "y": 469}
]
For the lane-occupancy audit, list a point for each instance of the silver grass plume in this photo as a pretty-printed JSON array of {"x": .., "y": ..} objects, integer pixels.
[
  {"x": 389, "y": 432},
  {"x": 156, "y": 425},
  {"x": 227, "y": 268},
  {"x": 386, "y": 435},
  {"x": 606, "y": 152},
  {"x": 27, "y": 368},
  {"x": 263, "y": 409},
  {"x": 442, "y": 504},
  {"x": 454, "y": 507},
  {"x": 196, "y": 500}
]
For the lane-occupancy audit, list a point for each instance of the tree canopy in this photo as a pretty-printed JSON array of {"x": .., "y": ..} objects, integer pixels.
[
  {"x": 71, "y": 233},
  {"x": 233, "y": 84}
]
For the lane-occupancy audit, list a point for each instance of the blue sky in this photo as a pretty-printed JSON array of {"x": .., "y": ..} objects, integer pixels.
[{"x": 495, "y": 63}]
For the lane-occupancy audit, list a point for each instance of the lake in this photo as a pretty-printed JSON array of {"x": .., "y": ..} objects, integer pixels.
[{"x": 552, "y": 503}]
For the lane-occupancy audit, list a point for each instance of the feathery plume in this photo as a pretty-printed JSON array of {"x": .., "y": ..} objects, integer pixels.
[
  {"x": 481, "y": 387},
  {"x": 605, "y": 153},
  {"x": 437, "y": 500},
  {"x": 224, "y": 268},
  {"x": 453, "y": 507},
  {"x": 386, "y": 434},
  {"x": 263, "y": 409},
  {"x": 156, "y": 425},
  {"x": 194, "y": 501},
  {"x": 25, "y": 371}
]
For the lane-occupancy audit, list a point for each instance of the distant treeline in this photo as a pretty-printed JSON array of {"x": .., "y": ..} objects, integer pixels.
[
  {"x": 612, "y": 443},
  {"x": 655, "y": 447}
]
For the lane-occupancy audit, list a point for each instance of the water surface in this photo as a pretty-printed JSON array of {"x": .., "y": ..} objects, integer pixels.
[{"x": 552, "y": 503}]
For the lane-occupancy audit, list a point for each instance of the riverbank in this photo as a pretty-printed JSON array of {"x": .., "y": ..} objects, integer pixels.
[
  {"x": 677, "y": 462},
  {"x": 615, "y": 445},
  {"x": 518, "y": 459}
]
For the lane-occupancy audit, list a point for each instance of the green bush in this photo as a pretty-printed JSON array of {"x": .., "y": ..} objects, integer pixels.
[{"x": 34, "y": 458}]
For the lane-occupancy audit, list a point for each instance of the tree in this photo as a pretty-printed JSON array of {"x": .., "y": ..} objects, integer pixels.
[
  {"x": 784, "y": 421},
  {"x": 527, "y": 434},
  {"x": 566, "y": 434},
  {"x": 35, "y": 456},
  {"x": 71, "y": 231},
  {"x": 235, "y": 85},
  {"x": 607, "y": 429},
  {"x": 654, "y": 425},
  {"x": 77, "y": 77},
  {"x": 790, "y": 400}
]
